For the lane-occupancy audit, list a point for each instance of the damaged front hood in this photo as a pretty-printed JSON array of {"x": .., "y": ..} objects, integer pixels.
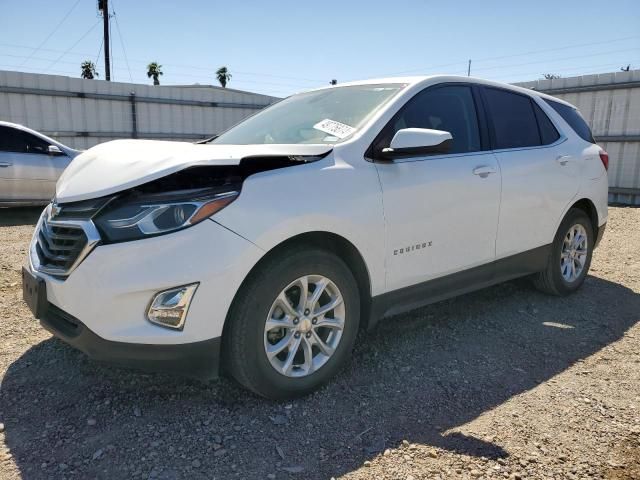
[{"x": 115, "y": 166}]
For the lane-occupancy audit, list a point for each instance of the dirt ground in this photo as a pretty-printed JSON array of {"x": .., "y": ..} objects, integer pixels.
[{"x": 502, "y": 383}]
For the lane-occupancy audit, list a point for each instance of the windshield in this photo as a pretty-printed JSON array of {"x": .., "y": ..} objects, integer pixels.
[{"x": 324, "y": 116}]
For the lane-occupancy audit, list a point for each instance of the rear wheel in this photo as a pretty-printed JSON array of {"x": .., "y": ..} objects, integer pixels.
[
  {"x": 293, "y": 324},
  {"x": 570, "y": 257}
]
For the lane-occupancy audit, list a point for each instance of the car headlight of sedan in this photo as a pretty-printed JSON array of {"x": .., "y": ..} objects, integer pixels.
[{"x": 149, "y": 215}]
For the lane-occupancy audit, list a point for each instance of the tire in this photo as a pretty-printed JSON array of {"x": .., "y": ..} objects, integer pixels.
[
  {"x": 246, "y": 339},
  {"x": 553, "y": 280}
]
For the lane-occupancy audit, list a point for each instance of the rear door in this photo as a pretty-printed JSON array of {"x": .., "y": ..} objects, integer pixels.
[
  {"x": 540, "y": 172},
  {"x": 441, "y": 211},
  {"x": 27, "y": 171}
]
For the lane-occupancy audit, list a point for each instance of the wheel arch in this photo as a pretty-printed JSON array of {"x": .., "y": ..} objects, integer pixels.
[
  {"x": 332, "y": 243},
  {"x": 588, "y": 207}
]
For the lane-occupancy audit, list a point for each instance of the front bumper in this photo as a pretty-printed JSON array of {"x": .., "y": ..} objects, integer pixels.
[
  {"x": 100, "y": 308},
  {"x": 198, "y": 360},
  {"x": 110, "y": 291}
]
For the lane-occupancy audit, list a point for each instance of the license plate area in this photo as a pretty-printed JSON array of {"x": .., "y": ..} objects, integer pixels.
[{"x": 34, "y": 293}]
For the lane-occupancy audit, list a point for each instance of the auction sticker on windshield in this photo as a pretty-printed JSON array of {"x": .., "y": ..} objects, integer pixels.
[{"x": 334, "y": 128}]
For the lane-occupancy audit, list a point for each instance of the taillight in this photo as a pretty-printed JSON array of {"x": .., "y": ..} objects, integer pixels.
[{"x": 604, "y": 157}]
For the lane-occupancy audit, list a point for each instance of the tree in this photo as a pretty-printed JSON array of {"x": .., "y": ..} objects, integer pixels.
[
  {"x": 223, "y": 76},
  {"x": 88, "y": 70},
  {"x": 550, "y": 76},
  {"x": 154, "y": 70},
  {"x": 333, "y": 82}
]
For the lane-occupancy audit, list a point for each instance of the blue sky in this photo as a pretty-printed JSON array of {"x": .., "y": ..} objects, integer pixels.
[{"x": 281, "y": 47}]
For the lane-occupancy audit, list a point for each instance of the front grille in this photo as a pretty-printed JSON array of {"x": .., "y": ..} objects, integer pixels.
[
  {"x": 65, "y": 235},
  {"x": 58, "y": 247}
]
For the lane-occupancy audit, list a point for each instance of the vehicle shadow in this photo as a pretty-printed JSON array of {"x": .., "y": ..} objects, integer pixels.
[
  {"x": 416, "y": 378},
  {"x": 17, "y": 216}
]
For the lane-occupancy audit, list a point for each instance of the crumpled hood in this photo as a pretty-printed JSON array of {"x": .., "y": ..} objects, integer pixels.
[{"x": 115, "y": 166}]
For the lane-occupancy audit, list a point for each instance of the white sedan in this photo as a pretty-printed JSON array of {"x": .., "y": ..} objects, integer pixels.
[{"x": 30, "y": 165}]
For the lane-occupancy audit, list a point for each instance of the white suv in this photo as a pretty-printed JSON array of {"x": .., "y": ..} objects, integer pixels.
[{"x": 264, "y": 250}]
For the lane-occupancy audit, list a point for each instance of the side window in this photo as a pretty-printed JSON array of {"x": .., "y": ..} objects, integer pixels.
[
  {"x": 448, "y": 108},
  {"x": 513, "y": 118},
  {"x": 33, "y": 144},
  {"x": 574, "y": 119},
  {"x": 14, "y": 140},
  {"x": 9, "y": 142},
  {"x": 548, "y": 133}
]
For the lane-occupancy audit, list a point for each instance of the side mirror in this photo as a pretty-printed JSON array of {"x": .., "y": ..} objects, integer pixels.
[
  {"x": 54, "y": 150},
  {"x": 418, "y": 141}
]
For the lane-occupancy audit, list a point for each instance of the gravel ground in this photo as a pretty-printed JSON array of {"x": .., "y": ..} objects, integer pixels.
[{"x": 502, "y": 383}]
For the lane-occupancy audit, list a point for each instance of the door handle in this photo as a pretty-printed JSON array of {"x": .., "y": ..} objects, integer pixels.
[
  {"x": 483, "y": 171},
  {"x": 563, "y": 159},
  {"x": 5, "y": 164}
]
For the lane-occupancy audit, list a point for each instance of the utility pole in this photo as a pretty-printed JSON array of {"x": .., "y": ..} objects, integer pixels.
[
  {"x": 469, "y": 69},
  {"x": 103, "y": 6}
]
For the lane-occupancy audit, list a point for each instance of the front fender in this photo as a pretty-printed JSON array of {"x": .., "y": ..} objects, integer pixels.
[{"x": 328, "y": 195}]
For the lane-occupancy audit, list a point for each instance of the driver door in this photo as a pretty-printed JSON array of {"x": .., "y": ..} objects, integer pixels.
[{"x": 441, "y": 211}]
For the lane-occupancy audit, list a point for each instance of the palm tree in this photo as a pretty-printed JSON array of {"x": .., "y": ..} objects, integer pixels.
[
  {"x": 88, "y": 70},
  {"x": 154, "y": 70},
  {"x": 223, "y": 76}
]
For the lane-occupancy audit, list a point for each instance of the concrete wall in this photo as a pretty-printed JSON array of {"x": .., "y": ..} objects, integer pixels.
[
  {"x": 610, "y": 103},
  {"x": 81, "y": 113}
]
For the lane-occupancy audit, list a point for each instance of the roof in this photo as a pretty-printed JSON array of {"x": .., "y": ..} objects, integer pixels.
[{"x": 420, "y": 79}]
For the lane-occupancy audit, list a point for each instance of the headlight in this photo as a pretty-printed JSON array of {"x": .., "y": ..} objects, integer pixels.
[{"x": 149, "y": 215}]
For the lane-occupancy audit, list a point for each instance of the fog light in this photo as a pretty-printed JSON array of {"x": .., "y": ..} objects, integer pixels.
[{"x": 169, "y": 308}]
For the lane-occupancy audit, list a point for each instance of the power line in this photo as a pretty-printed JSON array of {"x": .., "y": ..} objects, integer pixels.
[
  {"x": 293, "y": 85},
  {"x": 191, "y": 67},
  {"x": 566, "y": 47},
  {"x": 71, "y": 47},
  {"x": 99, "y": 52},
  {"x": 585, "y": 70},
  {"x": 52, "y": 32},
  {"x": 556, "y": 59},
  {"x": 560, "y": 48},
  {"x": 181, "y": 74},
  {"x": 307, "y": 80},
  {"x": 124, "y": 51}
]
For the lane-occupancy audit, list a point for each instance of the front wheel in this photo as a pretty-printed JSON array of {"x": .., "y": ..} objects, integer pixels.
[
  {"x": 294, "y": 323},
  {"x": 570, "y": 257}
]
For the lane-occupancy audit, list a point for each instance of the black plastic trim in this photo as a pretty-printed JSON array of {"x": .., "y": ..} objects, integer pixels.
[
  {"x": 198, "y": 360},
  {"x": 393, "y": 153},
  {"x": 481, "y": 113},
  {"x": 600, "y": 234},
  {"x": 415, "y": 296}
]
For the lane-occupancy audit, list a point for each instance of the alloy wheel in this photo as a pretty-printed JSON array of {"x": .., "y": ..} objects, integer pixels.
[
  {"x": 304, "y": 326},
  {"x": 573, "y": 256}
]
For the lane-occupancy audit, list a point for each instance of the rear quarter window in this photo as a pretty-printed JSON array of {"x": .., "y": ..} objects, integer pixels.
[
  {"x": 573, "y": 118},
  {"x": 548, "y": 133}
]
